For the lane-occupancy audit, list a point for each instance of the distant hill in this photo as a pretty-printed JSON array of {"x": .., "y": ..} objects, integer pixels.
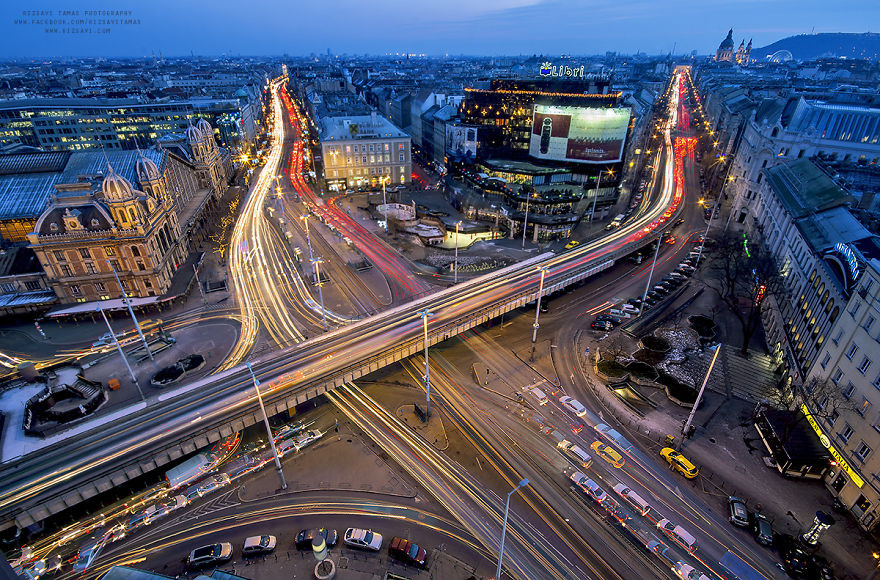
[{"x": 834, "y": 44}]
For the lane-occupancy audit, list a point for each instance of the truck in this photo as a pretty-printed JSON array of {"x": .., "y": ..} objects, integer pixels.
[{"x": 615, "y": 223}]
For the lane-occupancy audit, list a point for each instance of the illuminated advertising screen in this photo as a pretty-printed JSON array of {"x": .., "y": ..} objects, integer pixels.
[
  {"x": 461, "y": 140},
  {"x": 580, "y": 135}
]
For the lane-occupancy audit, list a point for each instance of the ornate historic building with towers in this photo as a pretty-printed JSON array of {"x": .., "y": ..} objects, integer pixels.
[{"x": 725, "y": 52}]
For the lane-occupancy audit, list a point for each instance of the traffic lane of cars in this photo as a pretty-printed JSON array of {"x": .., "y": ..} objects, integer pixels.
[{"x": 684, "y": 522}]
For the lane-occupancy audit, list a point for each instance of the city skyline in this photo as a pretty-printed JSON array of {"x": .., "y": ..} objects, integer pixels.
[{"x": 503, "y": 27}]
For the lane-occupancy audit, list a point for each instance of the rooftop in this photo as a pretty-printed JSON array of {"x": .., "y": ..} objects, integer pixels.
[
  {"x": 353, "y": 127},
  {"x": 803, "y": 188}
]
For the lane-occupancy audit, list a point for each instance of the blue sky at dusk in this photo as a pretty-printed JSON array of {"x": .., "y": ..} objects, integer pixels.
[{"x": 296, "y": 27}]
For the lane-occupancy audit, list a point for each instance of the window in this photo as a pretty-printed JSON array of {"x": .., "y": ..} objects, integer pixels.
[
  {"x": 863, "y": 451},
  {"x": 825, "y": 360},
  {"x": 32, "y": 285},
  {"x": 869, "y": 322},
  {"x": 855, "y": 308},
  {"x": 100, "y": 287},
  {"x": 400, "y": 146},
  {"x": 876, "y": 382},
  {"x": 386, "y": 147},
  {"x": 135, "y": 251},
  {"x": 148, "y": 284},
  {"x": 853, "y": 349},
  {"x": 141, "y": 266},
  {"x": 832, "y": 419},
  {"x": 865, "y": 365},
  {"x": 75, "y": 290},
  {"x": 115, "y": 264},
  {"x": 84, "y": 253},
  {"x": 124, "y": 284},
  {"x": 822, "y": 403},
  {"x": 66, "y": 271},
  {"x": 59, "y": 255},
  {"x": 109, "y": 251},
  {"x": 372, "y": 148},
  {"x": 402, "y": 157},
  {"x": 364, "y": 159},
  {"x": 864, "y": 407},
  {"x": 835, "y": 378},
  {"x": 837, "y": 337},
  {"x": 845, "y": 433},
  {"x": 90, "y": 268}
]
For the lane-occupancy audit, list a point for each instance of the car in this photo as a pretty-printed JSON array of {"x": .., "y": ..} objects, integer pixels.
[
  {"x": 615, "y": 510},
  {"x": 679, "y": 462},
  {"x": 688, "y": 572},
  {"x": 304, "y": 538},
  {"x": 794, "y": 559},
  {"x": 588, "y": 486},
  {"x": 739, "y": 515},
  {"x": 762, "y": 530},
  {"x": 210, "y": 554},
  {"x": 207, "y": 485},
  {"x": 601, "y": 325},
  {"x": 630, "y": 308},
  {"x": 678, "y": 222},
  {"x": 607, "y": 453},
  {"x": 363, "y": 539},
  {"x": 575, "y": 453},
  {"x": 573, "y": 405},
  {"x": 572, "y": 245},
  {"x": 407, "y": 552},
  {"x": 677, "y": 533},
  {"x": 256, "y": 545},
  {"x": 163, "y": 508},
  {"x": 608, "y": 317}
]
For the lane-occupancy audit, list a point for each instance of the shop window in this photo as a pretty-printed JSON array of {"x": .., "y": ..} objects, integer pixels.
[{"x": 839, "y": 482}]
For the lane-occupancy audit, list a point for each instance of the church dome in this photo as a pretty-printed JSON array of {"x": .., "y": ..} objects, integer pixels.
[
  {"x": 115, "y": 187},
  {"x": 205, "y": 128},
  {"x": 727, "y": 43},
  {"x": 193, "y": 135},
  {"x": 146, "y": 169}
]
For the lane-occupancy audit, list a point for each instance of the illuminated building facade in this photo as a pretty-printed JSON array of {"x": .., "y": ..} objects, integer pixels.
[
  {"x": 361, "y": 150},
  {"x": 114, "y": 124}
]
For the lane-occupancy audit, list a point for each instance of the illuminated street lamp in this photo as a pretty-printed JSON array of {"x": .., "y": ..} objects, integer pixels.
[
  {"x": 687, "y": 425},
  {"x": 425, "y": 314},
  {"x": 526, "y": 219},
  {"x": 519, "y": 486},
  {"x": 268, "y": 429},
  {"x": 650, "y": 275},
  {"x": 320, "y": 285},
  {"x": 457, "y": 226},
  {"x": 596, "y": 196},
  {"x": 543, "y": 270},
  {"x": 384, "y": 180}
]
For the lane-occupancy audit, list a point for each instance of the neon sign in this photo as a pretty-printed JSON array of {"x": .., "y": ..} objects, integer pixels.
[
  {"x": 548, "y": 69},
  {"x": 826, "y": 443},
  {"x": 850, "y": 257}
]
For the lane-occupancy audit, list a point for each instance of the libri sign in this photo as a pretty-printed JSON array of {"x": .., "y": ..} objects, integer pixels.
[{"x": 548, "y": 69}]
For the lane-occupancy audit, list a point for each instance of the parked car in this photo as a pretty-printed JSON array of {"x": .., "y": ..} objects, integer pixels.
[
  {"x": 256, "y": 545},
  {"x": 629, "y": 308},
  {"x": 208, "y": 555},
  {"x": 679, "y": 462},
  {"x": 407, "y": 552},
  {"x": 739, "y": 515},
  {"x": 363, "y": 539},
  {"x": 762, "y": 530},
  {"x": 573, "y": 405},
  {"x": 304, "y": 537},
  {"x": 601, "y": 325},
  {"x": 610, "y": 318},
  {"x": 607, "y": 453}
]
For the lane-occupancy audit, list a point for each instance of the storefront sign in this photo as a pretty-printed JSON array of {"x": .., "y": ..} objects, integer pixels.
[
  {"x": 826, "y": 443},
  {"x": 548, "y": 69},
  {"x": 850, "y": 257}
]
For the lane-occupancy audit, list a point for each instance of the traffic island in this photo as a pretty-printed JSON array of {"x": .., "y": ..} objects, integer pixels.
[{"x": 432, "y": 430}]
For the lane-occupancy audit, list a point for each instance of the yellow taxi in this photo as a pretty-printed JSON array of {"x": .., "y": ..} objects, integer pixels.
[
  {"x": 572, "y": 245},
  {"x": 679, "y": 462},
  {"x": 607, "y": 453}
]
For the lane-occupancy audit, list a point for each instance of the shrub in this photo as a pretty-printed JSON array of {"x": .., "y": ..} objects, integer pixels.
[
  {"x": 611, "y": 368},
  {"x": 656, "y": 343}
]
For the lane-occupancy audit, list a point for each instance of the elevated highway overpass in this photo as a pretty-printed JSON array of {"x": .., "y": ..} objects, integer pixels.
[{"x": 194, "y": 415}]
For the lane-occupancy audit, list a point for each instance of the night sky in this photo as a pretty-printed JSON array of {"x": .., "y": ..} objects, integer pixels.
[{"x": 478, "y": 27}]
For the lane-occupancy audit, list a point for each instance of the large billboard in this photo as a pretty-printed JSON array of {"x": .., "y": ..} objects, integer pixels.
[
  {"x": 461, "y": 140},
  {"x": 577, "y": 134}
]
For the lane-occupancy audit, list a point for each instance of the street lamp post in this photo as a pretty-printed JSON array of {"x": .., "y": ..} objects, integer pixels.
[
  {"x": 130, "y": 310},
  {"x": 122, "y": 354},
  {"x": 526, "y": 221},
  {"x": 385, "y": 201},
  {"x": 650, "y": 275},
  {"x": 595, "y": 198},
  {"x": 305, "y": 218},
  {"x": 457, "y": 226},
  {"x": 703, "y": 242},
  {"x": 543, "y": 270},
  {"x": 268, "y": 429},
  {"x": 519, "y": 485},
  {"x": 425, "y": 314},
  {"x": 320, "y": 285},
  {"x": 690, "y": 418}
]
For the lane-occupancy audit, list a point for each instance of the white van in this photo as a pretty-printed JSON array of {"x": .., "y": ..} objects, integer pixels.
[
  {"x": 615, "y": 223},
  {"x": 679, "y": 534},
  {"x": 618, "y": 313},
  {"x": 575, "y": 453},
  {"x": 632, "y": 498},
  {"x": 538, "y": 394}
]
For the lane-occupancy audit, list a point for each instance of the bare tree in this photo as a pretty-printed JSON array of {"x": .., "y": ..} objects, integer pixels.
[
  {"x": 742, "y": 273},
  {"x": 823, "y": 398},
  {"x": 615, "y": 347}
]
